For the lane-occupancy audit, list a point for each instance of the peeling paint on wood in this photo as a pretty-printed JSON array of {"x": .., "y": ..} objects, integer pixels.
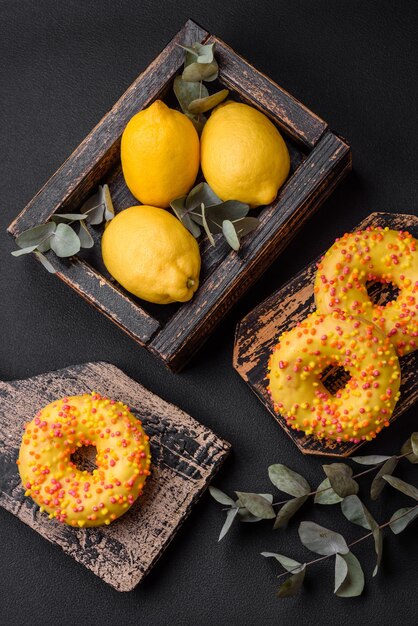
[
  {"x": 185, "y": 456},
  {"x": 258, "y": 332}
]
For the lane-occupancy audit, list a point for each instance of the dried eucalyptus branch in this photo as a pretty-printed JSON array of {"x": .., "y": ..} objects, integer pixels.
[{"x": 339, "y": 486}]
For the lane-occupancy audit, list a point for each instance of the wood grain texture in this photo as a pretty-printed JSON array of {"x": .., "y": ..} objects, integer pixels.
[
  {"x": 319, "y": 160},
  {"x": 185, "y": 456},
  {"x": 259, "y": 331}
]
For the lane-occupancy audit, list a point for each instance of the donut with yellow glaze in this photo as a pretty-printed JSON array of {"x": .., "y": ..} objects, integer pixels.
[
  {"x": 73, "y": 496},
  {"x": 358, "y": 411},
  {"x": 388, "y": 256}
]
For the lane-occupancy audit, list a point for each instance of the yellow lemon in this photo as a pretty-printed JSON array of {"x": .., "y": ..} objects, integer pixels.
[
  {"x": 152, "y": 255},
  {"x": 243, "y": 155},
  {"x": 160, "y": 155}
]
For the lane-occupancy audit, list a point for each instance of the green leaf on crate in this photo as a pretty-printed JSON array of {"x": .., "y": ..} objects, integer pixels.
[
  {"x": 23, "y": 251},
  {"x": 321, "y": 540},
  {"x": 352, "y": 584},
  {"x": 202, "y": 104},
  {"x": 401, "y": 485},
  {"x": 230, "y": 234},
  {"x": 203, "y": 53},
  {"x": 86, "y": 240},
  {"x": 230, "y": 210},
  {"x": 201, "y": 193},
  {"x": 371, "y": 459},
  {"x": 230, "y": 516},
  {"x": 68, "y": 217},
  {"x": 339, "y": 475},
  {"x": 325, "y": 494},
  {"x": 34, "y": 236},
  {"x": 288, "y": 510},
  {"x": 109, "y": 212},
  {"x": 221, "y": 497},
  {"x": 292, "y": 585},
  {"x": 289, "y": 564},
  {"x": 205, "y": 225},
  {"x": 65, "y": 242},
  {"x": 288, "y": 481},
  {"x": 246, "y": 225},
  {"x": 47, "y": 265},
  {"x": 402, "y": 518},
  {"x": 196, "y": 72},
  {"x": 180, "y": 210},
  {"x": 94, "y": 208},
  {"x": 378, "y": 484},
  {"x": 188, "y": 92},
  {"x": 258, "y": 505}
]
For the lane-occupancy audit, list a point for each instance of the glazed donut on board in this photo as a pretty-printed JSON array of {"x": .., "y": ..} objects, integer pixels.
[
  {"x": 388, "y": 256},
  {"x": 358, "y": 411},
  {"x": 73, "y": 496}
]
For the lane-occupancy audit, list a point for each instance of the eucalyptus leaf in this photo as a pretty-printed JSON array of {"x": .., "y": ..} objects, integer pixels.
[
  {"x": 205, "y": 225},
  {"x": 23, "y": 251},
  {"x": 408, "y": 449},
  {"x": 371, "y": 459},
  {"x": 202, "y": 52},
  {"x": 292, "y": 585},
  {"x": 68, "y": 217},
  {"x": 198, "y": 122},
  {"x": 414, "y": 443},
  {"x": 196, "y": 72},
  {"x": 341, "y": 571},
  {"x": 245, "y": 515},
  {"x": 109, "y": 212},
  {"x": 201, "y": 193},
  {"x": 378, "y": 546},
  {"x": 288, "y": 510},
  {"x": 355, "y": 511},
  {"x": 288, "y": 481},
  {"x": 353, "y": 583},
  {"x": 86, "y": 240},
  {"x": 34, "y": 236},
  {"x": 44, "y": 246},
  {"x": 65, "y": 242},
  {"x": 187, "y": 92},
  {"x": 401, "y": 485},
  {"x": 94, "y": 208},
  {"x": 258, "y": 505},
  {"x": 230, "y": 234},
  {"x": 206, "y": 103},
  {"x": 45, "y": 262},
  {"x": 179, "y": 209},
  {"x": 378, "y": 483},
  {"x": 221, "y": 497},
  {"x": 402, "y": 518},
  {"x": 339, "y": 475},
  {"x": 289, "y": 564},
  {"x": 325, "y": 494},
  {"x": 230, "y": 210},
  {"x": 230, "y": 516},
  {"x": 246, "y": 225},
  {"x": 321, "y": 540}
]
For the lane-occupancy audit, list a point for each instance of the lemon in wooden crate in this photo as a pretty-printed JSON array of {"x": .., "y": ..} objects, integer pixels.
[
  {"x": 243, "y": 155},
  {"x": 152, "y": 255},
  {"x": 160, "y": 155}
]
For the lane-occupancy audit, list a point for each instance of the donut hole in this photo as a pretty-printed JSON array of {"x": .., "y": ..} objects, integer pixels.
[
  {"x": 84, "y": 458},
  {"x": 334, "y": 377},
  {"x": 381, "y": 292}
]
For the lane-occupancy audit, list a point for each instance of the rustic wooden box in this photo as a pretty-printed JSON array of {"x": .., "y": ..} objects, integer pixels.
[
  {"x": 259, "y": 331},
  {"x": 320, "y": 159}
]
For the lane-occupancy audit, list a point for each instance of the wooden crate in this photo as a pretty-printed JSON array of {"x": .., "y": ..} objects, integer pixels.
[
  {"x": 320, "y": 159},
  {"x": 185, "y": 456},
  {"x": 259, "y": 331}
]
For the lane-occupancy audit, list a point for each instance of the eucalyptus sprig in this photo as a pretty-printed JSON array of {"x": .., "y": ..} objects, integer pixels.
[
  {"x": 66, "y": 233},
  {"x": 202, "y": 208},
  {"x": 193, "y": 96},
  {"x": 339, "y": 487}
]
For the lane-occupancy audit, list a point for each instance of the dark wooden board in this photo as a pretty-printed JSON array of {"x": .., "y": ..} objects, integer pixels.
[
  {"x": 259, "y": 331},
  {"x": 319, "y": 160},
  {"x": 185, "y": 456}
]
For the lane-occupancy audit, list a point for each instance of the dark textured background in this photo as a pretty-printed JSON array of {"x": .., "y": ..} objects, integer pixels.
[{"x": 62, "y": 66}]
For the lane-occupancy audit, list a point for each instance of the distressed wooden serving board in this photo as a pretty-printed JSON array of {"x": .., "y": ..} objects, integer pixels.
[
  {"x": 185, "y": 456},
  {"x": 319, "y": 160},
  {"x": 259, "y": 331}
]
